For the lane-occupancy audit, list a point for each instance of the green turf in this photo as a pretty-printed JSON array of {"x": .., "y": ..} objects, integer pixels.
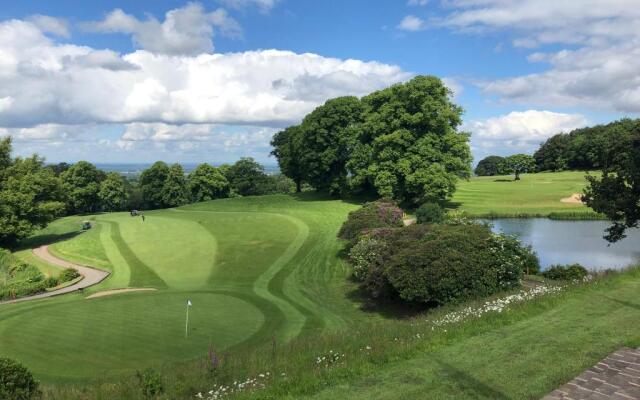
[
  {"x": 534, "y": 195},
  {"x": 257, "y": 268}
]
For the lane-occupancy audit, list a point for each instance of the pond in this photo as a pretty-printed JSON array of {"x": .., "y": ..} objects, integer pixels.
[{"x": 568, "y": 242}]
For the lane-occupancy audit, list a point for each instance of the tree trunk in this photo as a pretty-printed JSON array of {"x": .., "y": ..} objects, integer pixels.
[
  {"x": 517, "y": 176},
  {"x": 298, "y": 186}
]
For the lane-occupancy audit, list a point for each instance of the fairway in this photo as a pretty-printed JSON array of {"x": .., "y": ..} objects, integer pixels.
[
  {"x": 534, "y": 195},
  {"x": 254, "y": 268}
]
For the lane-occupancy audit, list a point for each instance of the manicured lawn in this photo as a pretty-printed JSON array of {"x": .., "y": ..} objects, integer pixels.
[
  {"x": 255, "y": 269},
  {"x": 534, "y": 195}
]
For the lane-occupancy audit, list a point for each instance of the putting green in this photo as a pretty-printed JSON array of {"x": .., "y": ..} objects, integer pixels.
[
  {"x": 255, "y": 268},
  {"x": 110, "y": 335}
]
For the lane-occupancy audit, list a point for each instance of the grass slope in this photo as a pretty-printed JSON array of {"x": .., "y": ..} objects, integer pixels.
[
  {"x": 534, "y": 195},
  {"x": 255, "y": 269}
]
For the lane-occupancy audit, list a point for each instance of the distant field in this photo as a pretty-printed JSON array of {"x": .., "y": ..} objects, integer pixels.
[
  {"x": 254, "y": 268},
  {"x": 534, "y": 195}
]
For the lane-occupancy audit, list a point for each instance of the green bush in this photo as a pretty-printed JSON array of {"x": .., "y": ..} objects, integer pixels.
[
  {"x": 430, "y": 213},
  {"x": 150, "y": 383},
  {"x": 16, "y": 382},
  {"x": 377, "y": 214},
  {"x": 68, "y": 274},
  {"x": 51, "y": 281},
  {"x": 438, "y": 264},
  {"x": 566, "y": 272}
]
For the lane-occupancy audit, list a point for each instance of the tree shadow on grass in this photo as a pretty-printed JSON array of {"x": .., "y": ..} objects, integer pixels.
[
  {"x": 322, "y": 196},
  {"x": 41, "y": 240},
  {"x": 387, "y": 308},
  {"x": 468, "y": 384},
  {"x": 504, "y": 180}
]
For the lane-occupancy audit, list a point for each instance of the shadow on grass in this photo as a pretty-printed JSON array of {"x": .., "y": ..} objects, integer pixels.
[
  {"x": 468, "y": 384},
  {"x": 387, "y": 308},
  {"x": 623, "y": 303},
  {"x": 323, "y": 196},
  {"x": 504, "y": 180},
  {"x": 41, "y": 240}
]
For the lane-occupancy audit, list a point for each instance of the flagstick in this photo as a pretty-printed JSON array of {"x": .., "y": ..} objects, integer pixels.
[{"x": 186, "y": 325}]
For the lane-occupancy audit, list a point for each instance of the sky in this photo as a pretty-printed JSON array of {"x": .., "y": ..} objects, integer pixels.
[{"x": 212, "y": 80}]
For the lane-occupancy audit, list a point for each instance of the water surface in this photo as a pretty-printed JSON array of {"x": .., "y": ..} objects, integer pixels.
[{"x": 568, "y": 242}]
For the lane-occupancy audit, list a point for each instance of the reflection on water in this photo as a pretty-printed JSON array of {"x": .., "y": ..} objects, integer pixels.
[{"x": 568, "y": 242}]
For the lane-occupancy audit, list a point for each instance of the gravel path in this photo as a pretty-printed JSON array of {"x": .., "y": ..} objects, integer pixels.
[{"x": 91, "y": 276}]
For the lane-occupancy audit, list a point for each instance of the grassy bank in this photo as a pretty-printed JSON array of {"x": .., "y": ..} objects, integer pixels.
[
  {"x": 535, "y": 195},
  {"x": 522, "y": 352}
]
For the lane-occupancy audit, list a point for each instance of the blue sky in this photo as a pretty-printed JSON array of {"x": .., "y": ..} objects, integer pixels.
[{"x": 115, "y": 81}]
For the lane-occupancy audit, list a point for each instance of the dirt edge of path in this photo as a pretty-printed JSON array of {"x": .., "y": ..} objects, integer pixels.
[{"x": 111, "y": 292}]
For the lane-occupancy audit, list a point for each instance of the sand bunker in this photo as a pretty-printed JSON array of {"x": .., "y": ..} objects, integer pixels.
[
  {"x": 117, "y": 291},
  {"x": 575, "y": 198}
]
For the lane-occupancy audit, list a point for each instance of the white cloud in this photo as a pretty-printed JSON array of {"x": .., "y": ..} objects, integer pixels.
[
  {"x": 417, "y": 2},
  {"x": 44, "y": 132},
  {"x": 600, "y": 70},
  {"x": 185, "y": 31},
  {"x": 56, "y": 26},
  {"x": 522, "y": 129},
  {"x": 56, "y": 83},
  {"x": 411, "y": 23}
]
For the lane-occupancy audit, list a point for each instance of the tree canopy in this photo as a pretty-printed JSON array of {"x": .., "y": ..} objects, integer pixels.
[
  {"x": 113, "y": 192},
  {"x": 617, "y": 193},
  {"x": 246, "y": 177},
  {"x": 174, "y": 190},
  {"x": 490, "y": 166},
  {"x": 81, "y": 184},
  {"x": 400, "y": 142},
  {"x": 518, "y": 164},
  {"x": 207, "y": 183},
  {"x": 287, "y": 147},
  {"x": 151, "y": 183},
  {"x": 31, "y": 195}
]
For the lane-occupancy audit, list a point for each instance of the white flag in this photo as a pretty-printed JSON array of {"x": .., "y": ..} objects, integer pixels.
[{"x": 189, "y": 303}]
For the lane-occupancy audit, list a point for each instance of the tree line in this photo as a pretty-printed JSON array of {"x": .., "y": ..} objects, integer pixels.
[
  {"x": 32, "y": 193},
  {"x": 581, "y": 149},
  {"x": 613, "y": 149},
  {"x": 401, "y": 142}
]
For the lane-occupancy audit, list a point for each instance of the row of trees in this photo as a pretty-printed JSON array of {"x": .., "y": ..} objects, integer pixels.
[
  {"x": 401, "y": 142},
  {"x": 581, "y": 149},
  {"x": 32, "y": 194}
]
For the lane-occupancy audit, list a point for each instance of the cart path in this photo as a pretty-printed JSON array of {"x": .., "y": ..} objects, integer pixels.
[{"x": 90, "y": 276}]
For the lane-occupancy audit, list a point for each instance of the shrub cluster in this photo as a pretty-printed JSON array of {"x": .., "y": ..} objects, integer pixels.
[
  {"x": 439, "y": 263},
  {"x": 430, "y": 213},
  {"x": 16, "y": 382},
  {"x": 378, "y": 214},
  {"x": 565, "y": 272}
]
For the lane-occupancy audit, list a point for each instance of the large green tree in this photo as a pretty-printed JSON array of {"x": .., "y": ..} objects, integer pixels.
[
  {"x": 617, "y": 192},
  {"x": 553, "y": 153},
  {"x": 247, "y": 177},
  {"x": 408, "y": 145},
  {"x": 30, "y": 195},
  {"x": 518, "y": 164},
  {"x": 151, "y": 183},
  {"x": 328, "y": 136},
  {"x": 113, "y": 192},
  {"x": 81, "y": 183},
  {"x": 207, "y": 183},
  {"x": 489, "y": 166},
  {"x": 174, "y": 190},
  {"x": 287, "y": 147}
]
